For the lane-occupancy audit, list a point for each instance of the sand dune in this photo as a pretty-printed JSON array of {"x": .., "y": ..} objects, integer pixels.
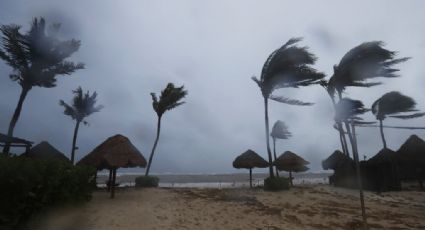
[{"x": 307, "y": 207}]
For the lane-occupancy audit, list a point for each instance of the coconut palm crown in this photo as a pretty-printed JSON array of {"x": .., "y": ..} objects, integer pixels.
[
  {"x": 169, "y": 99},
  {"x": 395, "y": 105},
  {"x": 362, "y": 63}
]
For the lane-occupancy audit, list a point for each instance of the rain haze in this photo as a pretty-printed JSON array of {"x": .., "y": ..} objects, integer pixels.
[{"x": 213, "y": 48}]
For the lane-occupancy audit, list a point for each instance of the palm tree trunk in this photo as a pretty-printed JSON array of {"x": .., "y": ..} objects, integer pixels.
[
  {"x": 266, "y": 114},
  {"x": 74, "y": 141},
  {"x": 158, "y": 130},
  {"x": 340, "y": 128},
  {"x": 344, "y": 144},
  {"x": 15, "y": 117},
  {"x": 275, "y": 157},
  {"x": 381, "y": 128},
  {"x": 359, "y": 177}
]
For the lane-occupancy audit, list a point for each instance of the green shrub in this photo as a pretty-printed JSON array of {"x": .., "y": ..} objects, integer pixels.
[
  {"x": 147, "y": 181},
  {"x": 28, "y": 185},
  {"x": 276, "y": 183}
]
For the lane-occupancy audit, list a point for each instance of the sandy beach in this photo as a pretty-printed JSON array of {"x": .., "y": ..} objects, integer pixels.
[{"x": 302, "y": 207}]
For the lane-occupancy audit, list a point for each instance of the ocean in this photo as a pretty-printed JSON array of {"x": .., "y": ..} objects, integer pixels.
[{"x": 231, "y": 180}]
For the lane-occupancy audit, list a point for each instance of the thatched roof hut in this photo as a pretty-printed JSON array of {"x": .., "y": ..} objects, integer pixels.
[
  {"x": 291, "y": 162},
  {"x": 335, "y": 160},
  {"x": 344, "y": 169},
  {"x": 14, "y": 142},
  {"x": 411, "y": 158},
  {"x": 381, "y": 172},
  {"x": 45, "y": 151},
  {"x": 116, "y": 152},
  {"x": 385, "y": 155},
  {"x": 248, "y": 160}
]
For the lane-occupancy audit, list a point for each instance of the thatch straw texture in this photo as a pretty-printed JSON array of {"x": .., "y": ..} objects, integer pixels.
[
  {"x": 45, "y": 151},
  {"x": 335, "y": 160},
  {"x": 250, "y": 159},
  {"x": 115, "y": 152},
  {"x": 290, "y": 161}
]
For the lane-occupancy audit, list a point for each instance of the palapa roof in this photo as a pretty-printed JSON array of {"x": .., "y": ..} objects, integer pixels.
[
  {"x": 289, "y": 161},
  {"x": 413, "y": 150},
  {"x": 115, "y": 152},
  {"x": 383, "y": 156},
  {"x": 45, "y": 151},
  {"x": 6, "y": 139},
  {"x": 250, "y": 159},
  {"x": 336, "y": 159}
]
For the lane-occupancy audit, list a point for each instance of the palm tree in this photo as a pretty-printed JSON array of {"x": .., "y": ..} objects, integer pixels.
[
  {"x": 287, "y": 67},
  {"x": 37, "y": 57},
  {"x": 364, "y": 62},
  {"x": 348, "y": 111},
  {"x": 279, "y": 131},
  {"x": 170, "y": 98},
  {"x": 83, "y": 105},
  {"x": 392, "y": 104}
]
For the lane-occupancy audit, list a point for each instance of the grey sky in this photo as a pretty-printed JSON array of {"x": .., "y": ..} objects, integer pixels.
[{"x": 132, "y": 48}]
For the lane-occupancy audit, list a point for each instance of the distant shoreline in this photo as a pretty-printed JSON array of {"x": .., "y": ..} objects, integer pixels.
[{"x": 214, "y": 180}]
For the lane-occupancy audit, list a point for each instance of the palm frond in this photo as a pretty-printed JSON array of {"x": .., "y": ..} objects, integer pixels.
[
  {"x": 408, "y": 116},
  {"x": 288, "y": 66},
  {"x": 280, "y": 130},
  {"x": 393, "y": 103},
  {"x": 349, "y": 109},
  {"x": 169, "y": 99},
  {"x": 83, "y": 105},
  {"x": 289, "y": 101},
  {"x": 366, "y": 61}
]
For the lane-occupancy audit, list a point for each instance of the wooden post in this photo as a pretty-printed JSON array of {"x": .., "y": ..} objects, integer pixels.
[
  {"x": 359, "y": 176},
  {"x": 108, "y": 185},
  {"x": 290, "y": 178},
  {"x": 95, "y": 179},
  {"x": 113, "y": 183},
  {"x": 250, "y": 177}
]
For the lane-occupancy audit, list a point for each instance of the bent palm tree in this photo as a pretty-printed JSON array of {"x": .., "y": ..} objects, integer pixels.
[
  {"x": 170, "y": 98},
  {"x": 37, "y": 58},
  {"x": 279, "y": 131},
  {"x": 392, "y": 104},
  {"x": 364, "y": 62},
  {"x": 288, "y": 66},
  {"x": 348, "y": 111},
  {"x": 83, "y": 105}
]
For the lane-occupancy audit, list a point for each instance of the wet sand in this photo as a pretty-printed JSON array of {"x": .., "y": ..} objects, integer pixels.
[{"x": 304, "y": 207}]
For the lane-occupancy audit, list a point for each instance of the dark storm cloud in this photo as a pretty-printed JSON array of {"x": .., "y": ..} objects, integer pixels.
[{"x": 132, "y": 48}]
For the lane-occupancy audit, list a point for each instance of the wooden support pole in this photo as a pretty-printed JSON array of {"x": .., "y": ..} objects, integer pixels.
[
  {"x": 250, "y": 177},
  {"x": 108, "y": 185},
  {"x": 113, "y": 183}
]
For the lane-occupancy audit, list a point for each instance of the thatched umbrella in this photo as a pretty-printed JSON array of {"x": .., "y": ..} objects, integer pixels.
[
  {"x": 411, "y": 157},
  {"x": 116, "y": 152},
  {"x": 45, "y": 151},
  {"x": 249, "y": 160},
  {"x": 291, "y": 162}
]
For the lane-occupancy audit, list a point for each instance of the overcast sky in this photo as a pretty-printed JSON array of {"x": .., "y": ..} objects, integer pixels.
[{"x": 132, "y": 48}]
